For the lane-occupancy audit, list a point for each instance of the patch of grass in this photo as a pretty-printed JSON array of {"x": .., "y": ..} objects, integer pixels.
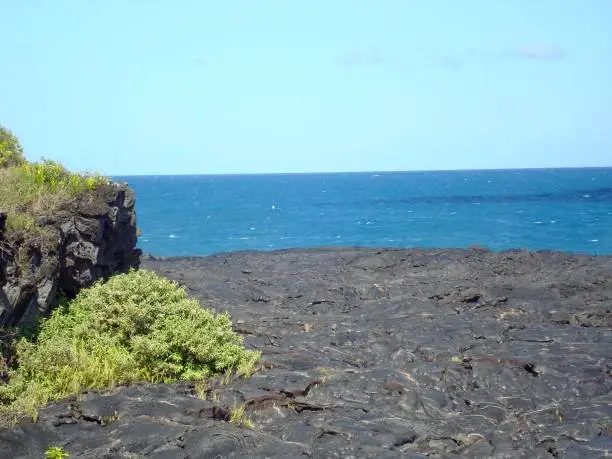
[
  {"x": 605, "y": 425},
  {"x": 110, "y": 419},
  {"x": 28, "y": 190},
  {"x": 20, "y": 222},
  {"x": 134, "y": 327},
  {"x": 56, "y": 452},
  {"x": 226, "y": 378},
  {"x": 201, "y": 389},
  {"x": 53, "y": 177},
  {"x": 239, "y": 417}
]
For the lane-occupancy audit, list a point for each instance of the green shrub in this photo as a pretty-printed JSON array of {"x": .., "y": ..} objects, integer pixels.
[
  {"x": 11, "y": 152},
  {"x": 134, "y": 327},
  {"x": 56, "y": 452}
]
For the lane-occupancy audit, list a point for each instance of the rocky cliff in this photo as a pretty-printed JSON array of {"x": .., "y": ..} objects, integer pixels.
[{"x": 89, "y": 238}]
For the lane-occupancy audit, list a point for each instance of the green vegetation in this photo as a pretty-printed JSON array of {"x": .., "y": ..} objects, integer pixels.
[
  {"x": 136, "y": 326},
  {"x": 29, "y": 190},
  {"x": 56, "y": 452},
  {"x": 133, "y": 327},
  {"x": 11, "y": 152},
  {"x": 52, "y": 177},
  {"x": 239, "y": 417}
]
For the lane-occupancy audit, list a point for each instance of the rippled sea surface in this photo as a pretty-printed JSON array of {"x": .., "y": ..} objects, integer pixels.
[{"x": 559, "y": 209}]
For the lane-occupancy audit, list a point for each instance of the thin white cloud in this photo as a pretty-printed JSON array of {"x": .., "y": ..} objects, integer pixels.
[
  {"x": 537, "y": 51},
  {"x": 362, "y": 57}
]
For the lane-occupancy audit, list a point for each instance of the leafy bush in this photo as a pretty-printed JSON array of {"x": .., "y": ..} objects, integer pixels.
[
  {"x": 11, "y": 152},
  {"x": 134, "y": 327}
]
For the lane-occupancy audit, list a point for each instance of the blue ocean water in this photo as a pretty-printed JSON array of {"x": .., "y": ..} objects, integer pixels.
[{"x": 559, "y": 209}]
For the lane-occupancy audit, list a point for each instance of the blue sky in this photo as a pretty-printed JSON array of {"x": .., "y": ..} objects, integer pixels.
[{"x": 158, "y": 87}]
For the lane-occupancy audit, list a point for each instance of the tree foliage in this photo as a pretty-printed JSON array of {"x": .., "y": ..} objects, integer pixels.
[{"x": 11, "y": 152}]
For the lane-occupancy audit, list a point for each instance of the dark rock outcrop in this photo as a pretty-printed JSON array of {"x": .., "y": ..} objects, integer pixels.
[
  {"x": 89, "y": 238},
  {"x": 374, "y": 353}
]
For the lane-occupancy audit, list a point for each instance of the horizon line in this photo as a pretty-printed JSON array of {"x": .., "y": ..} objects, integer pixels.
[{"x": 234, "y": 174}]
